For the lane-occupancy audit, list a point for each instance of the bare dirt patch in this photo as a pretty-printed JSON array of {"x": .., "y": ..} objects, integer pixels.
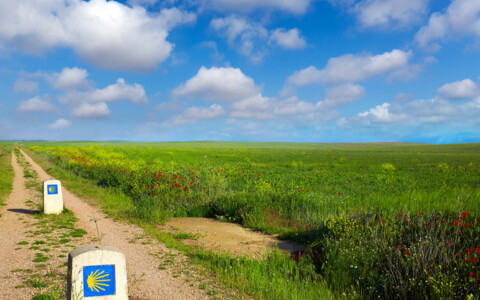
[{"x": 227, "y": 237}]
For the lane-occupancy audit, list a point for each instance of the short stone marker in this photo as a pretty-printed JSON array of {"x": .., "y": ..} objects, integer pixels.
[
  {"x": 52, "y": 197},
  {"x": 97, "y": 271}
]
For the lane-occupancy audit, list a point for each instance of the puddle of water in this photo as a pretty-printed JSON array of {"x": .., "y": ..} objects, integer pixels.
[{"x": 228, "y": 237}]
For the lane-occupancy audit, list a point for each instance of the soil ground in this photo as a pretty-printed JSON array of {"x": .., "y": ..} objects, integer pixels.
[{"x": 233, "y": 238}]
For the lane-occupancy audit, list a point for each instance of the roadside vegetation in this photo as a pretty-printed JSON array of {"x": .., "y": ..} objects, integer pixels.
[
  {"x": 6, "y": 179},
  {"x": 380, "y": 220}
]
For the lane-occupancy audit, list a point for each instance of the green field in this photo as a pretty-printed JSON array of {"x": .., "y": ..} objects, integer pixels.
[{"x": 381, "y": 220}]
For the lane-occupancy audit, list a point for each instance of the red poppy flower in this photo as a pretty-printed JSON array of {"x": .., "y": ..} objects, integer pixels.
[
  {"x": 399, "y": 246},
  {"x": 478, "y": 249},
  {"x": 406, "y": 229},
  {"x": 464, "y": 214},
  {"x": 407, "y": 252},
  {"x": 474, "y": 260},
  {"x": 380, "y": 220},
  {"x": 469, "y": 251},
  {"x": 420, "y": 213},
  {"x": 401, "y": 214},
  {"x": 468, "y": 225},
  {"x": 472, "y": 274},
  {"x": 339, "y": 193}
]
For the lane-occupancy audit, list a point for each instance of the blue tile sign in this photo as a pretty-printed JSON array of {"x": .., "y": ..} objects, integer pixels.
[
  {"x": 52, "y": 189},
  {"x": 98, "y": 280}
]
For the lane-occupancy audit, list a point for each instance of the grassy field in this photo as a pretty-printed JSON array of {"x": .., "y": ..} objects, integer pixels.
[
  {"x": 6, "y": 170},
  {"x": 380, "y": 220}
]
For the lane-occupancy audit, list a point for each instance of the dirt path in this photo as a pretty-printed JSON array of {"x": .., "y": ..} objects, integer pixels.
[
  {"x": 146, "y": 280},
  {"x": 13, "y": 231}
]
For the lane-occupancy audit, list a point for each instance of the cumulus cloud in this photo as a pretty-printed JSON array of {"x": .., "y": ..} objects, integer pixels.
[
  {"x": 244, "y": 6},
  {"x": 108, "y": 34},
  {"x": 70, "y": 78},
  {"x": 251, "y": 38},
  {"x": 25, "y": 86},
  {"x": 91, "y": 111},
  {"x": 247, "y": 37},
  {"x": 293, "y": 107},
  {"x": 288, "y": 39},
  {"x": 194, "y": 114},
  {"x": 344, "y": 94},
  {"x": 305, "y": 76},
  {"x": 218, "y": 84},
  {"x": 60, "y": 124},
  {"x": 416, "y": 112},
  {"x": 37, "y": 104},
  {"x": 459, "y": 90},
  {"x": 461, "y": 18},
  {"x": 389, "y": 13},
  {"x": 351, "y": 68},
  {"x": 382, "y": 114},
  {"x": 255, "y": 107},
  {"x": 112, "y": 93}
]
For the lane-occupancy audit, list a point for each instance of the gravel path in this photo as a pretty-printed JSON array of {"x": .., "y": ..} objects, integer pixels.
[
  {"x": 13, "y": 231},
  {"x": 146, "y": 280}
]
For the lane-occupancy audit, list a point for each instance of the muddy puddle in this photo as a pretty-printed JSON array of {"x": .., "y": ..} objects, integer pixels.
[{"x": 227, "y": 237}]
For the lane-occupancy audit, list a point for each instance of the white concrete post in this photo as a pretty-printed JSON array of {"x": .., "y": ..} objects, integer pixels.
[
  {"x": 99, "y": 272},
  {"x": 52, "y": 197}
]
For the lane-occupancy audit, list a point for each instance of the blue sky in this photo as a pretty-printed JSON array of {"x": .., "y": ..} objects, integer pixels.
[{"x": 241, "y": 70}]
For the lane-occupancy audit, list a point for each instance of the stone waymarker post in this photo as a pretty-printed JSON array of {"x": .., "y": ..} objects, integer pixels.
[
  {"x": 52, "y": 197},
  {"x": 99, "y": 272}
]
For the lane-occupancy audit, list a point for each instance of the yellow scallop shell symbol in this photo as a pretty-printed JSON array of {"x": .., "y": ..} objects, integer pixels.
[
  {"x": 95, "y": 281},
  {"x": 51, "y": 189}
]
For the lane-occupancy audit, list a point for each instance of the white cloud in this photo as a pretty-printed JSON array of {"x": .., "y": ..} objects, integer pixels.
[
  {"x": 245, "y": 6},
  {"x": 37, "y": 104},
  {"x": 107, "y": 34},
  {"x": 25, "y": 86},
  {"x": 344, "y": 94},
  {"x": 459, "y": 89},
  {"x": 293, "y": 107},
  {"x": 416, "y": 112},
  {"x": 60, "y": 124},
  {"x": 389, "y": 13},
  {"x": 70, "y": 78},
  {"x": 288, "y": 39},
  {"x": 247, "y": 37},
  {"x": 112, "y": 93},
  {"x": 91, "y": 111},
  {"x": 351, "y": 68},
  {"x": 194, "y": 114},
  {"x": 251, "y": 38},
  {"x": 461, "y": 18},
  {"x": 305, "y": 77},
  {"x": 382, "y": 114},
  {"x": 218, "y": 84},
  {"x": 255, "y": 107}
]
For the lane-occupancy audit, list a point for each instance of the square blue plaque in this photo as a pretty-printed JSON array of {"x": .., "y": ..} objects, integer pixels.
[
  {"x": 52, "y": 189},
  {"x": 98, "y": 280}
]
